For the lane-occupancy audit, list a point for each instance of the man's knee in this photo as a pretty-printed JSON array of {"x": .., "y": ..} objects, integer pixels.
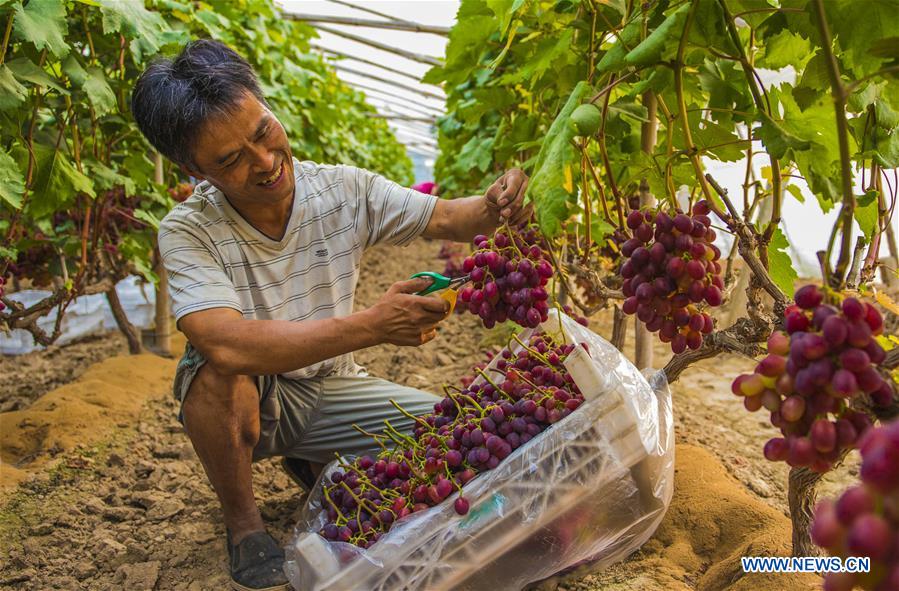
[{"x": 232, "y": 398}]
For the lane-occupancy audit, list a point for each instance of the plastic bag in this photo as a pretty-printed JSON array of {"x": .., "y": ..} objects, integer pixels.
[{"x": 591, "y": 489}]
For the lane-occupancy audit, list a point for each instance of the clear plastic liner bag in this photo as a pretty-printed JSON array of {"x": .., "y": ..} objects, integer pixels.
[{"x": 591, "y": 489}]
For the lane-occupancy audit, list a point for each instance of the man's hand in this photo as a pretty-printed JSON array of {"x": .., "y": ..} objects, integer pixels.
[
  {"x": 403, "y": 318},
  {"x": 505, "y": 197}
]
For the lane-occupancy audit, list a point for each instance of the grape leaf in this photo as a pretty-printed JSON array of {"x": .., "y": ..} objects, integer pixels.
[
  {"x": 786, "y": 49},
  {"x": 796, "y": 192},
  {"x": 866, "y": 213},
  {"x": 12, "y": 181},
  {"x": 545, "y": 188},
  {"x": 659, "y": 43},
  {"x": 776, "y": 139},
  {"x": 12, "y": 93},
  {"x": 56, "y": 181},
  {"x": 93, "y": 82},
  {"x": 145, "y": 28},
  {"x": 858, "y": 26},
  {"x": 24, "y": 69},
  {"x": 42, "y": 23},
  {"x": 780, "y": 267},
  {"x": 106, "y": 178},
  {"x": 627, "y": 39}
]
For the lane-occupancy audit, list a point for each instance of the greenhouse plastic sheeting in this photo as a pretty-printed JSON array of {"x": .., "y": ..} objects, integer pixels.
[
  {"x": 591, "y": 489},
  {"x": 86, "y": 315}
]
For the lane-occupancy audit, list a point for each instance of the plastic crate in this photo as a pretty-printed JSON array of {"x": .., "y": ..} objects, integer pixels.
[{"x": 592, "y": 488}]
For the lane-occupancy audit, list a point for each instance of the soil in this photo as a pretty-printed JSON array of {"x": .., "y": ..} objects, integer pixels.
[{"x": 121, "y": 501}]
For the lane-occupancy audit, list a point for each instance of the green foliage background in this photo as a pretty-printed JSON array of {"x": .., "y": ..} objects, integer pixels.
[
  {"x": 68, "y": 143},
  {"x": 513, "y": 65}
]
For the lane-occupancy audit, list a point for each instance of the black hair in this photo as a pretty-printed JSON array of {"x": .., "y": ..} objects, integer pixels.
[{"x": 173, "y": 98}]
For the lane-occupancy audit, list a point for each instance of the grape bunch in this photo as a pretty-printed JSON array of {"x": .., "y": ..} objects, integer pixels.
[
  {"x": 2, "y": 284},
  {"x": 472, "y": 430},
  {"x": 826, "y": 357},
  {"x": 509, "y": 273},
  {"x": 864, "y": 521},
  {"x": 671, "y": 273}
]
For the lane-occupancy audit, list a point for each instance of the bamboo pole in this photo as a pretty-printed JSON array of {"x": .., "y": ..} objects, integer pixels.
[
  {"x": 365, "y": 22},
  {"x": 368, "y": 62},
  {"x": 415, "y": 57},
  {"x": 391, "y": 95},
  {"x": 406, "y": 109},
  {"x": 369, "y": 10},
  {"x": 404, "y": 118},
  {"x": 163, "y": 316},
  {"x": 422, "y": 91}
]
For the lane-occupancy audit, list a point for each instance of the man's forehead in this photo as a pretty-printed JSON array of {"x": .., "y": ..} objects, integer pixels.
[{"x": 224, "y": 133}]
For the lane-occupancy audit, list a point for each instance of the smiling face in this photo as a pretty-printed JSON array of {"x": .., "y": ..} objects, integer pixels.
[{"x": 245, "y": 154}]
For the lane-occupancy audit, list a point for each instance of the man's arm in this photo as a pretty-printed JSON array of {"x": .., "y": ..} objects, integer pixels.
[
  {"x": 462, "y": 219},
  {"x": 236, "y": 346}
]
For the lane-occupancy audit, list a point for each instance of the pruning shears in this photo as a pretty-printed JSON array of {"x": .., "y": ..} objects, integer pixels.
[{"x": 440, "y": 281}]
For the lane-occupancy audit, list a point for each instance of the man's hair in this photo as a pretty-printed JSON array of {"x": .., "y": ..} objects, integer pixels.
[{"x": 172, "y": 99}]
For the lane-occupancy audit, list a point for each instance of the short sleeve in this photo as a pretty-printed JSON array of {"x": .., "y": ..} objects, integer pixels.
[
  {"x": 384, "y": 210},
  {"x": 197, "y": 280}
]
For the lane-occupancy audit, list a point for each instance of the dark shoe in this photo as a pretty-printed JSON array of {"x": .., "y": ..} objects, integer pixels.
[
  {"x": 257, "y": 564},
  {"x": 300, "y": 472}
]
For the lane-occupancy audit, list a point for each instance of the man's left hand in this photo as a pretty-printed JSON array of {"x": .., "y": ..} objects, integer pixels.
[{"x": 505, "y": 197}]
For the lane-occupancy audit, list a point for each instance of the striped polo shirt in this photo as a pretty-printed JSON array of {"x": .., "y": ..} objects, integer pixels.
[{"x": 216, "y": 259}]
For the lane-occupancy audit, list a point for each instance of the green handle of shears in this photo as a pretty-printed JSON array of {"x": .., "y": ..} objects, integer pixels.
[{"x": 440, "y": 282}]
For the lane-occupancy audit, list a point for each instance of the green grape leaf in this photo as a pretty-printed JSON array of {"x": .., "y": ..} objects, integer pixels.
[
  {"x": 12, "y": 93},
  {"x": 796, "y": 192},
  {"x": 786, "y": 49},
  {"x": 56, "y": 180},
  {"x": 858, "y": 26},
  {"x": 145, "y": 28},
  {"x": 866, "y": 213},
  {"x": 477, "y": 153},
  {"x": 627, "y": 39},
  {"x": 720, "y": 141},
  {"x": 12, "y": 181},
  {"x": 147, "y": 216},
  {"x": 776, "y": 139},
  {"x": 550, "y": 184},
  {"x": 661, "y": 41},
  {"x": 24, "y": 69},
  {"x": 105, "y": 178},
  {"x": 42, "y": 23},
  {"x": 93, "y": 82},
  {"x": 780, "y": 267},
  {"x": 99, "y": 92}
]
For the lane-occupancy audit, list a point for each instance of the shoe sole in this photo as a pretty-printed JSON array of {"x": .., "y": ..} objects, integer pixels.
[{"x": 238, "y": 587}]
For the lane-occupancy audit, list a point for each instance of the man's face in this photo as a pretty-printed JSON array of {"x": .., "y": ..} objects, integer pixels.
[{"x": 245, "y": 154}]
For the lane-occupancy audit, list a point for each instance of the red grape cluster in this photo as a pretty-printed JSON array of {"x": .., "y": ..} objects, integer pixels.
[
  {"x": 509, "y": 273},
  {"x": 826, "y": 357},
  {"x": 470, "y": 431},
  {"x": 181, "y": 191},
  {"x": 2, "y": 284},
  {"x": 671, "y": 271},
  {"x": 864, "y": 521}
]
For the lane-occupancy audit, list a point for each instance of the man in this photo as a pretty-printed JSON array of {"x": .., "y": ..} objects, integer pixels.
[{"x": 263, "y": 261}]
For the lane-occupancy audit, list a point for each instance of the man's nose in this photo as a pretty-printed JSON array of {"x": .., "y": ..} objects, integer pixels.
[{"x": 263, "y": 159}]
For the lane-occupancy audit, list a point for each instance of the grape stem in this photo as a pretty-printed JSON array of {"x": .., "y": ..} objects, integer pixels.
[
  {"x": 376, "y": 438},
  {"x": 333, "y": 504},
  {"x": 407, "y": 414}
]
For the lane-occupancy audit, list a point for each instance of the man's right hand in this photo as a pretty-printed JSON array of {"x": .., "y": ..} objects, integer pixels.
[{"x": 403, "y": 318}]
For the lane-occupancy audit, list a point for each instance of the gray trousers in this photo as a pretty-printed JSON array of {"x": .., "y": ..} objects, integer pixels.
[{"x": 313, "y": 418}]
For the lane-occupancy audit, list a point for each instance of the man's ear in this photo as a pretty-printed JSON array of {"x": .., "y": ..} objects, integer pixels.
[{"x": 191, "y": 172}]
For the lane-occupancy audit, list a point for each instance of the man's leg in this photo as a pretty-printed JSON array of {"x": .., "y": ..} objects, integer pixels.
[
  {"x": 221, "y": 417},
  {"x": 363, "y": 401}
]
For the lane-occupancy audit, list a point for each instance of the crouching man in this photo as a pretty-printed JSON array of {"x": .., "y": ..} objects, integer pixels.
[{"x": 263, "y": 261}]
